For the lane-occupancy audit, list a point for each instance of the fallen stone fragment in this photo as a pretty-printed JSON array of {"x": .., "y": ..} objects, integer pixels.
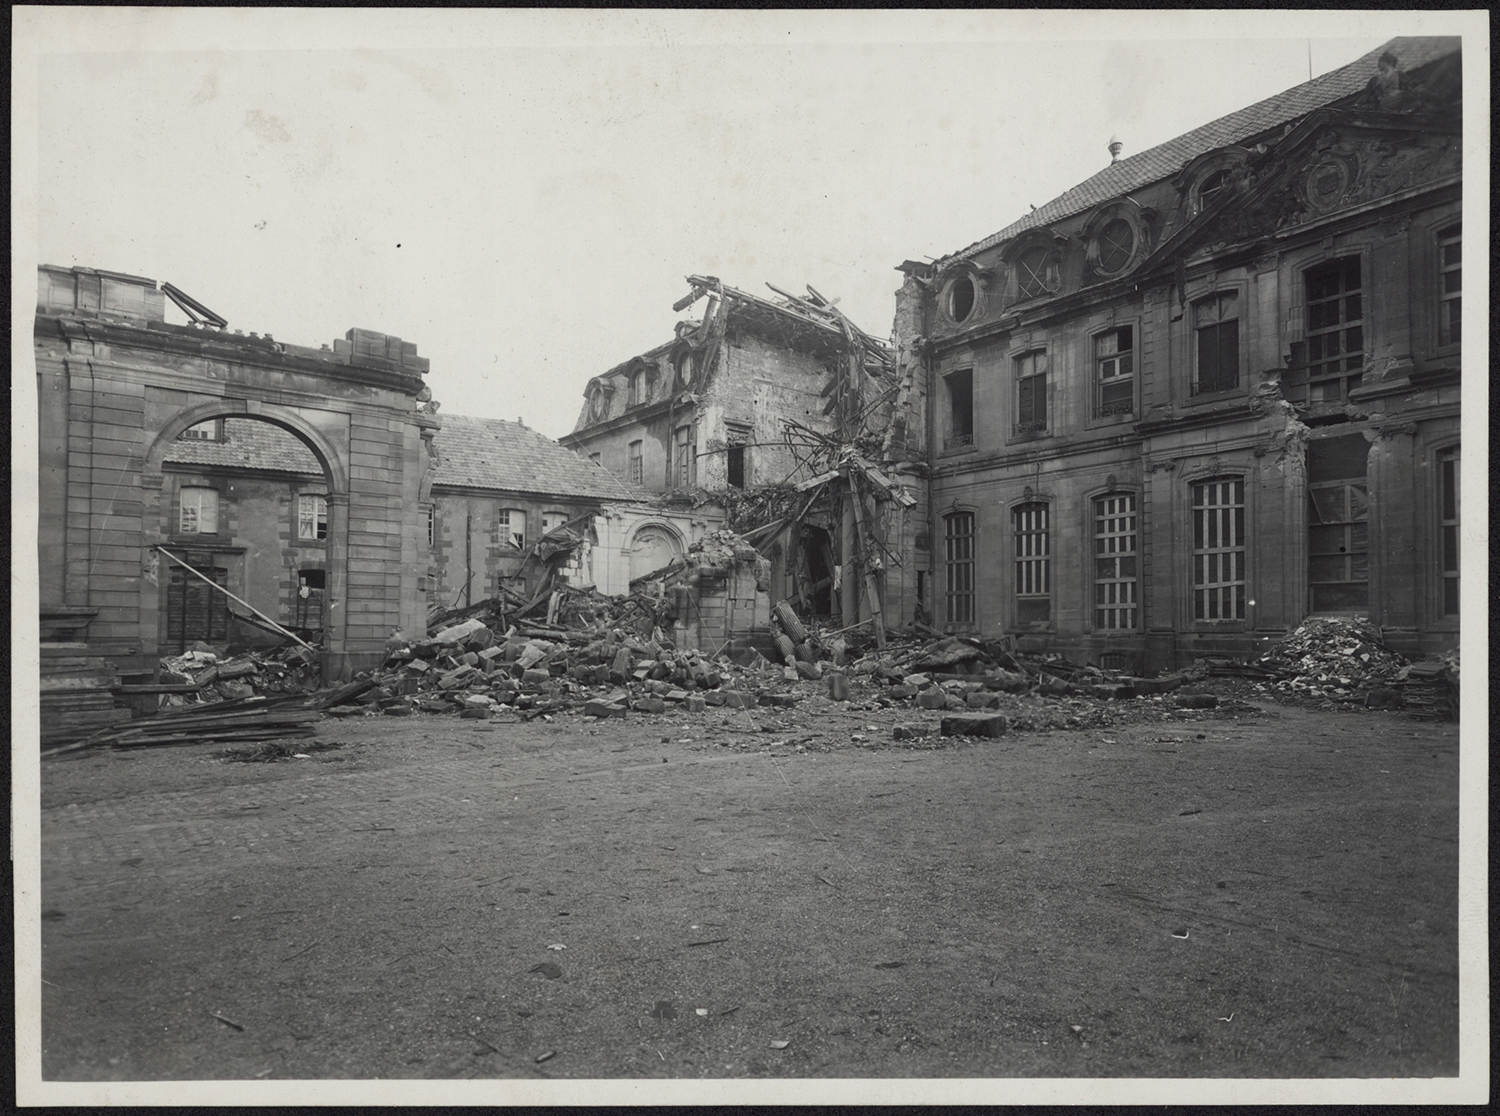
[
  {"x": 602, "y": 709},
  {"x": 933, "y": 698},
  {"x": 975, "y": 724},
  {"x": 695, "y": 703},
  {"x": 1195, "y": 701}
]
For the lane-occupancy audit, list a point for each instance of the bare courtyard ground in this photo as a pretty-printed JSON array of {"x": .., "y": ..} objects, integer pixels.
[{"x": 1264, "y": 892}]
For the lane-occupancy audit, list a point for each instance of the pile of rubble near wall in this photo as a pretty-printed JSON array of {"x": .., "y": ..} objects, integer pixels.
[
  {"x": 603, "y": 670},
  {"x": 205, "y": 675},
  {"x": 1343, "y": 659}
]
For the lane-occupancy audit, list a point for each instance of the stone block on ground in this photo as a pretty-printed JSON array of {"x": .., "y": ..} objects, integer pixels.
[
  {"x": 981, "y": 700},
  {"x": 596, "y": 708},
  {"x": 536, "y": 676},
  {"x": 1195, "y": 701},
  {"x": 695, "y": 703},
  {"x": 649, "y": 705},
  {"x": 975, "y": 724},
  {"x": 933, "y": 698}
]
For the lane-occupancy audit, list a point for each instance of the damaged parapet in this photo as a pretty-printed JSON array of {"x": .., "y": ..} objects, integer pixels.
[{"x": 716, "y": 596}]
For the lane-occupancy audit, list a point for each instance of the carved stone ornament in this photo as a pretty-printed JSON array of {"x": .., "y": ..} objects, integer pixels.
[
  {"x": 1110, "y": 481},
  {"x": 1163, "y": 466}
]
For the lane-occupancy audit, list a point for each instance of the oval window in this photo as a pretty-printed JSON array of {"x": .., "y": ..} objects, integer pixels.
[
  {"x": 1116, "y": 244},
  {"x": 961, "y": 298}
]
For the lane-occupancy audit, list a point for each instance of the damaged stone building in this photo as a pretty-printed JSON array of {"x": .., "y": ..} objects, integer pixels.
[
  {"x": 792, "y": 418},
  {"x": 1212, "y": 389},
  {"x": 198, "y": 484}
]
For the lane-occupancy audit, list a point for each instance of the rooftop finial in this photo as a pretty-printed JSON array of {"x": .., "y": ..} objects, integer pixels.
[{"x": 1115, "y": 147}]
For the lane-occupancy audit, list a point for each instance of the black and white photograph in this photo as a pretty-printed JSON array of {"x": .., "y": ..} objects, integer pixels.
[{"x": 663, "y": 556}]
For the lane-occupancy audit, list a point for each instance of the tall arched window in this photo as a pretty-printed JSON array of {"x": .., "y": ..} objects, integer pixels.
[
  {"x": 958, "y": 554},
  {"x": 1033, "y": 545}
]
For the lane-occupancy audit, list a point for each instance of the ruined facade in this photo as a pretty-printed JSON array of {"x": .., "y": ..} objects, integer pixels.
[
  {"x": 117, "y": 384},
  {"x": 770, "y": 406},
  {"x": 1212, "y": 389}
]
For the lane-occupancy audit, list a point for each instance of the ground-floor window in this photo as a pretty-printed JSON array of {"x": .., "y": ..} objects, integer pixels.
[
  {"x": 958, "y": 543},
  {"x": 1448, "y": 523},
  {"x": 195, "y": 611},
  {"x": 1219, "y": 549},
  {"x": 1338, "y": 515},
  {"x": 1033, "y": 564},
  {"x": 1116, "y": 584}
]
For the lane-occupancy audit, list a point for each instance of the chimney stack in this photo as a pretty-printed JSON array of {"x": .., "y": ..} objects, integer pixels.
[{"x": 1115, "y": 147}]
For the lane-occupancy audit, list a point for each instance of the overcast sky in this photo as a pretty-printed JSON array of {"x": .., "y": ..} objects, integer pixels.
[{"x": 521, "y": 193}]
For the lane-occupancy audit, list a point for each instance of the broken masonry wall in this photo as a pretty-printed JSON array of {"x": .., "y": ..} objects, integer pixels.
[
  {"x": 636, "y": 539},
  {"x": 472, "y": 554},
  {"x": 761, "y": 385}
]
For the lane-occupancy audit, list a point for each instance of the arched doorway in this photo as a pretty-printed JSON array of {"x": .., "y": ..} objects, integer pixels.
[{"x": 652, "y": 547}]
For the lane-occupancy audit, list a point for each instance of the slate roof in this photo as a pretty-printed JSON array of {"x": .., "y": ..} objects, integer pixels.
[
  {"x": 472, "y": 453},
  {"x": 493, "y": 453},
  {"x": 1166, "y": 159},
  {"x": 248, "y": 444}
]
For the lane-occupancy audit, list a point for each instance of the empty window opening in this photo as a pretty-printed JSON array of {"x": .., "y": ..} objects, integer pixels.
[
  {"x": 1116, "y": 576},
  {"x": 1219, "y": 549},
  {"x": 960, "y": 387},
  {"x": 1031, "y": 393},
  {"x": 1033, "y": 565},
  {"x": 636, "y": 455},
  {"x": 1212, "y": 187},
  {"x": 1217, "y": 349},
  {"x": 312, "y": 516},
  {"x": 1114, "y": 365},
  {"x": 961, "y": 297},
  {"x": 1335, "y": 330},
  {"x": 431, "y": 526},
  {"x": 734, "y": 466},
  {"x": 1450, "y": 284},
  {"x": 958, "y": 542},
  {"x": 1448, "y": 474},
  {"x": 198, "y": 511},
  {"x": 312, "y": 588}
]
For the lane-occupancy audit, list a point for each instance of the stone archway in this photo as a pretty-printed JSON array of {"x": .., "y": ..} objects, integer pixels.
[
  {"x": 335, "y": 479},
  {"x": 652, "y": 546}
]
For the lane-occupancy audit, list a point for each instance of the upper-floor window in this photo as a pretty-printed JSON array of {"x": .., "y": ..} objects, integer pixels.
[
  {"x": 639, "y": 389},
  {"x": 1033, "y": 564},
  {"x": 1335, "y": 330},
  {"x": 1114, "y": 372},
  {"x": 1115, "y": 245},
  {"x": 1219, "y": 549},
  {"x": 312, "y": 516},
  {"x": 431, "y": 525},
  {"x": 511, "y": 526},
  {"x": 551, "y": 521},
  {"x": 1216, "y": 330},
  {"x": 210, "y": 431},
  {"x": 960, "y": 298},
  {"x": 636, "y": 471},
  {"x": 198, "y": 511},
  {"x": 1450, "y": 284},
  {"x": 1031, "y": 393},
  {"x": 686, "y": 454},
  {"x": 1116, "y": 576},
  {"x": 959, "y": 386},
  {"x": 958, "y": 544},
  {"x": 1214, "y": 185},
  {"x": 1036, "y": 273}
]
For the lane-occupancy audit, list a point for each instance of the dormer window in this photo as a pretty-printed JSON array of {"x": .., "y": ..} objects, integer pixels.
[
  {"x": 1035, "y": 274},
  {"x": 1116, "y": 245}
]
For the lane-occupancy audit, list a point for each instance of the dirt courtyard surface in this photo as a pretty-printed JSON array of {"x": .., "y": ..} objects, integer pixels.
[{"x": 1258, "y": 892}]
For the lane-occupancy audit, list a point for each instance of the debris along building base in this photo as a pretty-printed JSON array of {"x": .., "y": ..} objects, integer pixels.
[{"x": 117, "y": 384}]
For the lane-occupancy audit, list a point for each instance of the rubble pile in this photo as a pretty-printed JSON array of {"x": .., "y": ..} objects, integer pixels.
[
  {"x": 1332, "y": 656},
  {"x": 204, "y": 675},
  {"x": 1343, "y": 659}
]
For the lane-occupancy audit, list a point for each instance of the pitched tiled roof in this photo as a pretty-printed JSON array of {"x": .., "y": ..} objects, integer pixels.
[
  {"x": 1167, "y": 159},
  {"x": 248, "y": 444},
  {"x": 472, "y": 453},
  {"x": 493, "y": 453}
]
